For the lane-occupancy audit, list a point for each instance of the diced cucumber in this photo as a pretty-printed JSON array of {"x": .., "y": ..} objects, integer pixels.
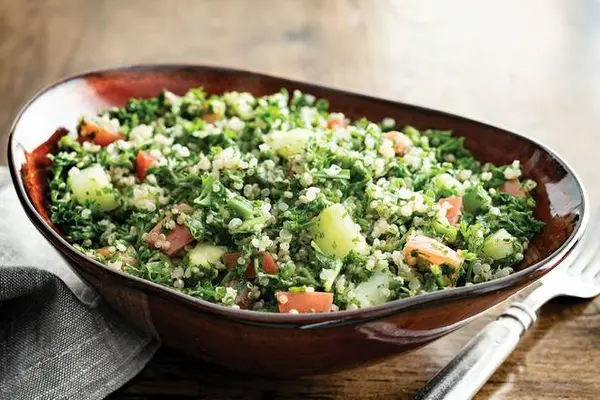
[
  {"x": 336, "y": 234},
  {"x": 205, "y": 255},
  {"x": 500, "y": 244},
  {"x": 476, "y": 198},
  {"x": 289, "y": 143},
  {"x": 93, "y": 184},
  {"x": 373, "y": 291}
]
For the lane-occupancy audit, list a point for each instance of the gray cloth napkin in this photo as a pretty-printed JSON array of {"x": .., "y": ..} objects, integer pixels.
[{"x": 58, "y": 340}]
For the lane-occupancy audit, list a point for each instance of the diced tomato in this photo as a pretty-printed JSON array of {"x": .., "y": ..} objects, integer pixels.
[
  {"x": 401, "y": 142},
  {"x": 268, "y": 264},
  {"x": 90, "y": 131},
  {"x": 430, "y": 250},
  {"x": 176, "y": 239},
  {"x": 211, "y": 118},
  {"x": 304, "y": 302},
  {"x": 144, "y": 161},
  {"x": 336, "y": 119},
  {"x": 179, "y": 238},
  {"x": 514, "y": 188},
  {"x": 230, "y": 260},
  {"x": 250, "y": 270},
  {"x": 453, "y": 213}
]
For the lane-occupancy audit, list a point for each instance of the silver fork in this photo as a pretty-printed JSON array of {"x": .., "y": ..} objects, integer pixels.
[{"x": 578, "y": 276}]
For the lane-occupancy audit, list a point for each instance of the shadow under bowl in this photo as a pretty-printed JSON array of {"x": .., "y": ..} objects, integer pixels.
[{"x": 285, "y": 344}]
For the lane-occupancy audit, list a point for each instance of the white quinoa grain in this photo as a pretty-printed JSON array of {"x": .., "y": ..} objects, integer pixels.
[
  {"x": 282, "y": 298},
  {"x": 234, "y": 223},
  {"x": 179, "y": 284},
  {"x": 285, "y": 234}
]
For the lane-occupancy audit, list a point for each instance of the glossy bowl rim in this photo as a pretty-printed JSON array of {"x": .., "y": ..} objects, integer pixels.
[{"x": 306, "y": 321}]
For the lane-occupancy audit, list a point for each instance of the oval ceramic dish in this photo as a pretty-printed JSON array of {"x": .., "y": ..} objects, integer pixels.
[{"x": 270, "y": 343}]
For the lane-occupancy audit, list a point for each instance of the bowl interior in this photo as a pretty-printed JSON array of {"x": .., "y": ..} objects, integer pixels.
[{"x": 561, "y": 201}]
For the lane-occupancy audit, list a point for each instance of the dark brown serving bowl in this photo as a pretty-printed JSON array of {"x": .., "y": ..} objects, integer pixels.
[{"x": 260, "y": 342}]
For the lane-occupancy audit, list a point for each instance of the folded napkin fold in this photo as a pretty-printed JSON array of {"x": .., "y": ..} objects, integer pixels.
[{"x": 58, "y": 340}]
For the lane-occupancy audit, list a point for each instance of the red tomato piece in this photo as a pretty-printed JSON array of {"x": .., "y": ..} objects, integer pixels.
[
  {"x": 175, "y": 240},
  {"x": 100, "y": 135},
  {"x": 268, "y": 264},
  {"x": 401, "y": 142},
  {"x": 230, "y": 260},
  {"x": 304, "y": 302},
  {"x": 453, "y": 213},
  {"x": 144, "y": 161},
  {"x": 179, "y": 238},
  {"x": 514, "y": 188},
  {"x": 335, "y": 119},
  {"x": 211, "y": 118}
]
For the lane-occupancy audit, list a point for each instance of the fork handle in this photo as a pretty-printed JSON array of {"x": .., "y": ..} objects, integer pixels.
[{"x": 480, "y": 358}]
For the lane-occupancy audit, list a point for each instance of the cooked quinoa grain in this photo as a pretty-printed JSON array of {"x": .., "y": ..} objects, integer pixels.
[{"x": 274, "y": 203}]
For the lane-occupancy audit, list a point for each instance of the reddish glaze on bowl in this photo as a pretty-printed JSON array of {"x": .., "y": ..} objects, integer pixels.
[{"x": 289, "y": 344}]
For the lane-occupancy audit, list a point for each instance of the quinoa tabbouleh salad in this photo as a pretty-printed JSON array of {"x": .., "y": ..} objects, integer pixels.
[{"x": 274, "y": 203}]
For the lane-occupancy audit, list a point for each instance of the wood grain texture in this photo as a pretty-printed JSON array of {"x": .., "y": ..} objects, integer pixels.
[{"x": 525, "y": 66}]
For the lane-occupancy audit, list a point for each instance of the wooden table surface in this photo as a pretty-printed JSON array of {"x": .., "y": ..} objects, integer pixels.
[{"x": 532, "y": 67}]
